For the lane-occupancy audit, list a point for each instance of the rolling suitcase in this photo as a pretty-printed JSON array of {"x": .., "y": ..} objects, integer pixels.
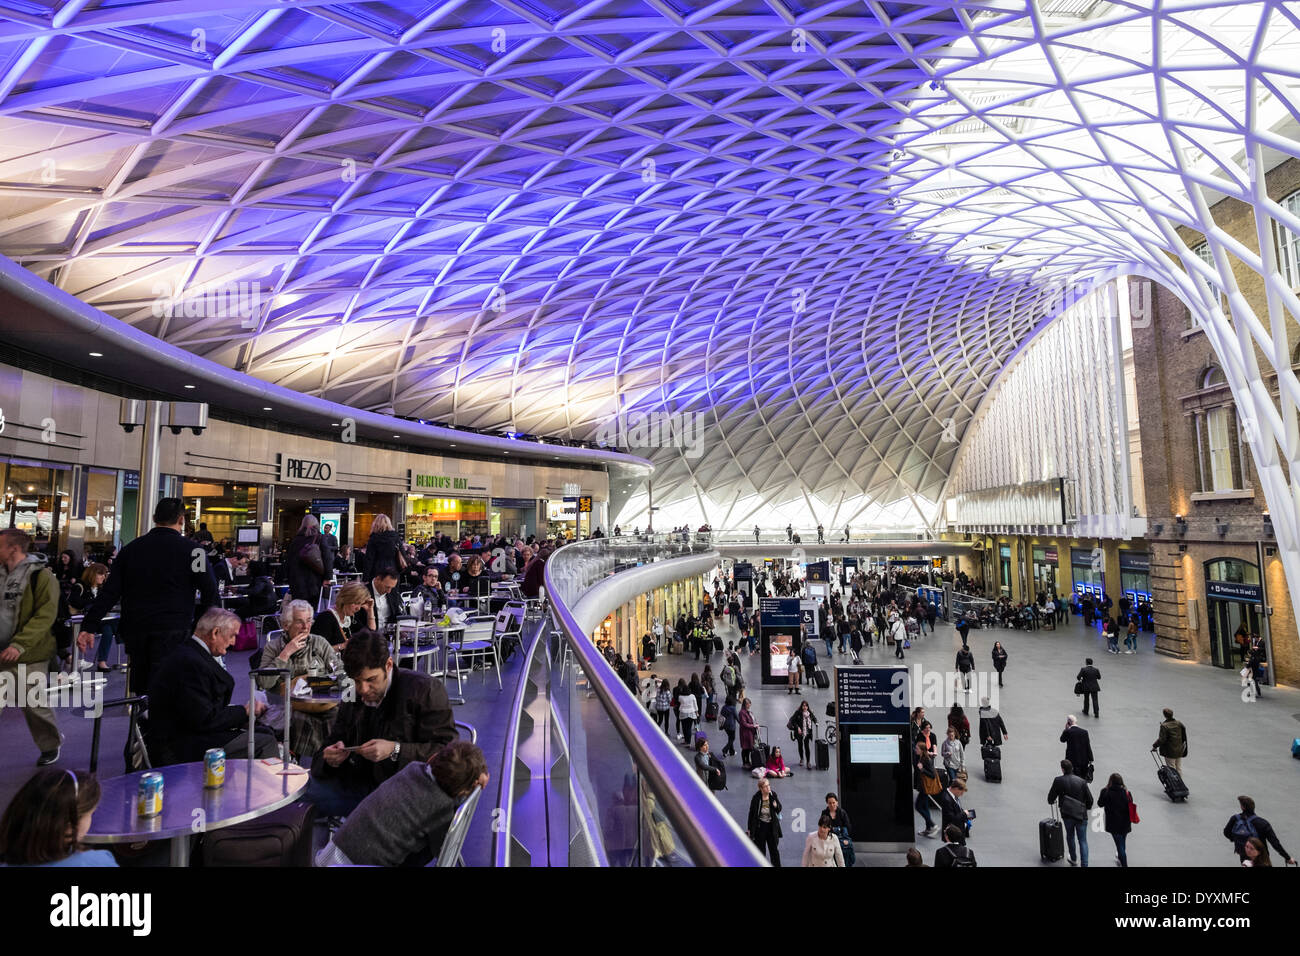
[
  {"x": 823, "y": 755},
  {"x": 1170, "y": 779},
  {"x": 1295, "y": 748},
  {"x": 822, "y": 679},
  {"x": 992, "y": 769},
  {"x": 1051, "y": 838},
  {"x": 282, "y": 838},
  {"x": 761, "y": 748},
  {"x": 711, "y": 710},
  {"x": 717, "y": 781}
]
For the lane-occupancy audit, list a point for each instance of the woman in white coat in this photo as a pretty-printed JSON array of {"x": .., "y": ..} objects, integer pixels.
[{"x": 823, "y": 847}]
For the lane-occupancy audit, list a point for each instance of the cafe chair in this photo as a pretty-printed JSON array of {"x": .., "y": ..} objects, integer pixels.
[
  {"x": 477, "y": 642},
  {"x": 450, "y": 853}
]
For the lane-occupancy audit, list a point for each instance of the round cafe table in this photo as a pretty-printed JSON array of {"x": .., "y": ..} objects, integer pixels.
[{"x": 247, "y": 795}]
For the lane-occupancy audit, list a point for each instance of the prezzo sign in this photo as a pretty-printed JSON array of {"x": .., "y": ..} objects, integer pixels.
[
  {"x": 472, "y": 485},
  {"x": 306, "y": 471}
]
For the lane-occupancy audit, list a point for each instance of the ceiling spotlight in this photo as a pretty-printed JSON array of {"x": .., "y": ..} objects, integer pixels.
[
  {"x": 96, "y": 354},
  {"x": 266, "y": 408},
  {"x": 191, "y": 386}
]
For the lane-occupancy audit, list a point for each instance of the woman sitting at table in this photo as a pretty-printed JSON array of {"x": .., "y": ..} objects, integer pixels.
[
  {"x": 299, "y": 651},
  {"x": 335, "y": 625},
  {"x": 82, "y": 595},
  {"x": 48, "y": 818},
  {"x": 475, "y": 582}
]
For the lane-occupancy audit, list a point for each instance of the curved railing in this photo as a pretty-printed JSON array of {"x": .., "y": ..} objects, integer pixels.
[{"x": 633, "y": 799}]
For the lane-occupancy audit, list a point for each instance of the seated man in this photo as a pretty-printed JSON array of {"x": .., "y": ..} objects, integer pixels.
[
  {"x": 189, "y": 698},
  {"x": 405, "y": 821},
  {"x": 398, "y": 717},
  {"x": 431, "y": 591},
  {"x": 298, "y": 650},
  {"x": 383, "y": 604}
]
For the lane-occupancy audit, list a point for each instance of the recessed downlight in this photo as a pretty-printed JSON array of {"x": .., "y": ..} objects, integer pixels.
[
  {"x": 191, "y": 386},
  {"x": 96, "y": 354}
]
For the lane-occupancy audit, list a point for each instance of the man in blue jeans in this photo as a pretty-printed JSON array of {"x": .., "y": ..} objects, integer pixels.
[{"x": 1075, "y": 801}]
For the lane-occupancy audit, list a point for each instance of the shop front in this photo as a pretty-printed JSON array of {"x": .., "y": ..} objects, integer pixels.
[
  {"x": 1046, "y": 570},
  {"x": 1234, "y": 603},
  {"x": 1089, "y": 576},
  {"x": 36, "y": 498},
  {"x": 447, "y": 503},
  {"x": 1135, "y": 582},
  {"x": 513, "y": 517},
  {"x": 562, "y": 517},
  {"x": 223, "y": 506}
]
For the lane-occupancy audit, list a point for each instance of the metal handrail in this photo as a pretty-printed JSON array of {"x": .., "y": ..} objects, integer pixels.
[
  {"x": 711, "y": 835},
  {"x": 506, "y": 788}
]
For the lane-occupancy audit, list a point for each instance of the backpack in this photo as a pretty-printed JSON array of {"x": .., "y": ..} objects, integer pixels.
[
  {"x": 728, "y": 676},
  {"x": 1243, "y": 829},
  {"x": 809, "y": 655},
  {"x": 965, "y": 858}
]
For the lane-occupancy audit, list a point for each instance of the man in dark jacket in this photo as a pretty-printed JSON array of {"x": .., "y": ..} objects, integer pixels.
[
  {"x": 1090, "y": 680},
  {"x": 1172, "y": 741},
  {"x": 965, "y": 664},
  {"x": 189, "y": 705},
  {"x": 954, "y": 814},
  {"x": 963, "y": 628},
  {"x": 1076, "y": 800},
  {"x": 155, "y": 577},
  {"x": 1078, "y": 748},
  {"x": 399, "y": 716},
  {"x": 385, "y": 604},
  {"x": 1244, "y": 825}
]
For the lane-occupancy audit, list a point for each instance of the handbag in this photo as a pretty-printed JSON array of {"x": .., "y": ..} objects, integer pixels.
[
  {"x": 310, "y": 555},
  {"x": 1132, "y": 810},
  {"x": 1078, "y": 688},
  {"x": 930, "y": 785}
]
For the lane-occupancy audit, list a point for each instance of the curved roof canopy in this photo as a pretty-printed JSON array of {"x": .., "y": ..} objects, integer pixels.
[{"x": 815, "y": 231}]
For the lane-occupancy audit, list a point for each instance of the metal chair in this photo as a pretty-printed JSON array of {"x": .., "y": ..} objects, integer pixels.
[
  {"x": 454, "y": 841},
  {"x": 509, "y": 625},
  {"x": 477, "y": 640},
  {"x": 408, "y": 635}
]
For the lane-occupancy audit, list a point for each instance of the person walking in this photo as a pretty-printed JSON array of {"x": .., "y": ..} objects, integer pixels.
[
  {"x": 963, "y": 628},
  {"x": 155, "y": 577},
  {"x": 840, "y": 826},
  {"x": 953, "y": 754},
  {"x": 29, "y": 602},
  {"x": 821, "y": 534},
  {"x": 663, "y": 703},
  {"x": 992, "y": 727},
  {"x": 1088, "y": 684},
  {"x": 1248, "y": 825},
  {"x": 764, "y": 823},
  {"x": 688, "y": 710},
  {"x": 822, "y": 848},
  {"x": 802, "y": 726},
  {"x": 756, "y": 533},
  {"x": 925, "y": 780},
  {"x": 1171, "y": 741},
  {"x": 748, "y": 734},
  {"x": 789, "y": 534},
  {"x": 1117, "y": 802},
  {"x": 1075, "y": 802},
  {"x": 729, "y": 720},
  {"x": 999, "y": 659},
  {"x": 965, "y": 664},
  {"x": 1078, "y": 747},
  {"x": 1131, "y": 638}
]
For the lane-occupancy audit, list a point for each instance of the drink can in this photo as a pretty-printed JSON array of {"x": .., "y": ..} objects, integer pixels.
[
  {"x": 149, "y": 801},
  {"x": 214, "y": 768}
]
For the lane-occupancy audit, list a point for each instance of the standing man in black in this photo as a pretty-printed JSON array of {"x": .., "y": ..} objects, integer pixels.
[
  {"x": 155, "y": 577},
  {"x": 1089, "y": 685},
  {"x": 1078, "y": 747}
]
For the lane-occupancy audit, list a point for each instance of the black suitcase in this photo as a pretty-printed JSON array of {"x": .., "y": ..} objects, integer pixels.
[
  {"x": 717, "y": 781},
  {"x": 761, "y": 749},
  {"x": 992, "y": 770},
  {"x": 822, "y": 679},
  {"x": 830, "y": 711},
  {"x": 282, "y": 838},
  {"x": 823, "y": 755},
  {"x": 1171, "y": 780},
  {"x": 711, "y": 710},
  {"x": 1051, "y": 839},
  {"x": 991, "y": 751}
]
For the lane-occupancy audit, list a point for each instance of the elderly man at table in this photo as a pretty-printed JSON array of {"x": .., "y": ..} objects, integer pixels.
[
  {"x": 189, "y": 702},
  {"x": 383, "y": 606},
  {"x": 398, "y": 717},
  {"x": 297, "y": 650},
  {"x": 404, "y": 822},
  {"x": 155, "y": 577}
]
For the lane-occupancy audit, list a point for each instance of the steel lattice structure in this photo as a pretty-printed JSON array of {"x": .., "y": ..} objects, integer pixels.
[{"x": 825, "y": 227}]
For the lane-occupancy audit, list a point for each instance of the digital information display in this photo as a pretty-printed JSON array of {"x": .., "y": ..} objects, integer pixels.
[{"x": 873, "y": 748}]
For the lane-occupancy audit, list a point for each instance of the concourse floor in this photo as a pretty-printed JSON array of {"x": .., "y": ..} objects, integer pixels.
[{"x": 1234, "y": 747}]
